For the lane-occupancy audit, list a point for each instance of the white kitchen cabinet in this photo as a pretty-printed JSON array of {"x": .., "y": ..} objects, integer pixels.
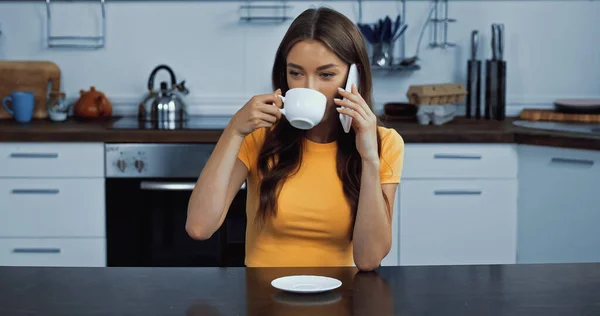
[
  {"x": 458, "y": 222},
  {"x": 65, "y": 252},
  {"x": 460, "y": 161},
  {"x": 559, "y": 205},
  {"x": 458, "y": 204},
  {"x": 392, "y": 258},
  {"x": 54, "y": 160},
  {"x": 52, "y": 207},
  {"x": 52, "y": 204}
]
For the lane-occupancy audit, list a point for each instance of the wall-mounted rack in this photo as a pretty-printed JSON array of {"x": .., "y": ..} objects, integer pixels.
[
  {"x": 280, "y": 10},
  {"x": 444, "y": 21},
  {"x": 70, "y": 41},
  {"x": 171, "y": 1}
]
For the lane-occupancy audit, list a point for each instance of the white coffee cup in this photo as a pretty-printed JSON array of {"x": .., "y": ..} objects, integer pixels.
[{"x": 304, "y": 108}]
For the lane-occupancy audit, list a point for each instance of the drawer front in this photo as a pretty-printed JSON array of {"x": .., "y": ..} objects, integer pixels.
[
  {"x": 568, "y": 162},
  {"x": 53, "y": 252},
  {"x": 427, "y": 161},
  {"x": 51, "y": 160},
  {"x": 458, "y": 222},
  {"x": 52, "y": 208}
]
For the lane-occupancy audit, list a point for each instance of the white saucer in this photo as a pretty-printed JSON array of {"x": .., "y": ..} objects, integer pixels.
[{"x": 306, "y": 283}]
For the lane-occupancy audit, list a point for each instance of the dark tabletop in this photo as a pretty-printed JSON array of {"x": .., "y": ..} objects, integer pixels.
[{"x": 569, "y": 289}]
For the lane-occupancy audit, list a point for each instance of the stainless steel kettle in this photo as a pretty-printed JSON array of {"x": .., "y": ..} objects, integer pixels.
[{"x": 167, "y": 105}]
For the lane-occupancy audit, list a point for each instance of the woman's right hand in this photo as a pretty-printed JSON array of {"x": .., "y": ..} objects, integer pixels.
[{"x": 256, "y": 113}]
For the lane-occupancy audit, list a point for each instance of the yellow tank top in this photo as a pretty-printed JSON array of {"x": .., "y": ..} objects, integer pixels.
[{"x": 314, "y": 221}]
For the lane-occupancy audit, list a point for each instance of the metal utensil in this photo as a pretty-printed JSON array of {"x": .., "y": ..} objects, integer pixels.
[
  {"x": 411, "y": 60},
  {"x": 396, "y": 26},
  {"x": 388, "y": 28},
  {"x": 495, "y": 79},
  {"x": 474, "y": 79},
  {"x": 500, "y": 30},
  {"x": 474, "y": 44},
  {"x": 494, "y": 43},
  {"x": 367, "y": 32},
  {"x": 402, "y": 29}
]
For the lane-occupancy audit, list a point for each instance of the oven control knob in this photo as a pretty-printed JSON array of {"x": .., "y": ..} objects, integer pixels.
[
  {"x": 121, "y": 164},
  {"x": 139, "y": 165}
]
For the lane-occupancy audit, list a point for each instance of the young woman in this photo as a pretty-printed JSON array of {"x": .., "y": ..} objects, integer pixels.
[{"x": 317, "y": 197}]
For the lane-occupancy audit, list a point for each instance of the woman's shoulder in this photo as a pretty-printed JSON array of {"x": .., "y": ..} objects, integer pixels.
[
  {"x": 251, "y": 146},
  {"x": 257, "y": 137},
  {"x": 390, "y": 138},
  {"x": 392, "y": 155}
]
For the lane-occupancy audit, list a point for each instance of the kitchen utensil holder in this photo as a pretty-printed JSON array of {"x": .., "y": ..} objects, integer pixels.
[
  {"x": 249, "y": 7},
  {"x": 53, "y": 41},
  {"x": 382, "y": 54},
  {"x": 436, "y": 20},
  {"x": 495, "y": 89}
]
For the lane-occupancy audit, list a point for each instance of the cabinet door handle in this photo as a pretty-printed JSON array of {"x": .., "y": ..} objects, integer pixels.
[
  {"x": 35, "y": 191},
  {"x": 172, "y": 186},
  {"x": 167, "y": 186},
  {"x": 33, "y": 155},
  {"x": 36, "y": 250},
  {"x": 457, "y": 156},
  {"x": 457, "y": 192},
  {"x": 581, "y": 162}
]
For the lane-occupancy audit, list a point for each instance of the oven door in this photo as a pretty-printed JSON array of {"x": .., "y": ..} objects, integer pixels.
[{"x": 145, "y": 223}]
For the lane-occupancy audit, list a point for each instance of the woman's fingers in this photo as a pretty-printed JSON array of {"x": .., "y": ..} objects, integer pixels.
[
  {"x": 355, "y": 97},
  {"x": 351, "y": 105},
  {"x": 356, "y": 117}
]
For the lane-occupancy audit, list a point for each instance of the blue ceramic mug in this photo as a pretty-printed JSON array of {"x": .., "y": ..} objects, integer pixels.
[{"x": 21, "y": 106}]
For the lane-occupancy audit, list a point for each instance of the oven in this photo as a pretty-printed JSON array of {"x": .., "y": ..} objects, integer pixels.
[{"x": 147, "y": 192}]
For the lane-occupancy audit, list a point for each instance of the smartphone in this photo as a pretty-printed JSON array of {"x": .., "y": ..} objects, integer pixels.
[{"x": 353, "y": 78}]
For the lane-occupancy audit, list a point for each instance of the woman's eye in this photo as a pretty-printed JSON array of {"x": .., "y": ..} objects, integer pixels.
[
  {"x": 327, "y": 75},
  {"x": 294, "y": 73}
]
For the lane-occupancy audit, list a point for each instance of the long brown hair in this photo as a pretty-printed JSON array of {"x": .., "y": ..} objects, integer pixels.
[{"x": 282, "y": 150}]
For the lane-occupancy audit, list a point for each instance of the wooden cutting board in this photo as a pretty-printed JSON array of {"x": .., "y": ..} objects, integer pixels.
[
  {"x": 39, "y": 77},
  {"x": 551, "y": 115}
]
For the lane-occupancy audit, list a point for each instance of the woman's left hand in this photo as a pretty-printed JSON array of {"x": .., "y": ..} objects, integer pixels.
[{"x": 364, "y": 122}]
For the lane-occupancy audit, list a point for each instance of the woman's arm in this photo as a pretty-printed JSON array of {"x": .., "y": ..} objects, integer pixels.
[
  {"x": 224, "y": 173},
  {"x": 218, "y": 183},
  {"x": 372, "y": 239}
]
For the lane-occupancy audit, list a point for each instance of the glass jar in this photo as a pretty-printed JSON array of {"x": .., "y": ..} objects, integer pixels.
[{"x": 58, "y": 109}]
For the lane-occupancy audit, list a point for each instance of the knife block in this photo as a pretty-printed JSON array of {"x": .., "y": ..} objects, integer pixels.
[
  {"x": 495, "y": 89},
  {"x": 473, "y": 89}
]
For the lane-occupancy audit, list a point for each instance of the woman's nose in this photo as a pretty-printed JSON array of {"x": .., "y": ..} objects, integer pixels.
[{"x": 311, "y": 83}]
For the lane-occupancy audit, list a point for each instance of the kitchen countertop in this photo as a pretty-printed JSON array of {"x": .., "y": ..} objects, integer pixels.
[
  {"x": 553, "y": 289},
  {"x": 460, "y": 130}
]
